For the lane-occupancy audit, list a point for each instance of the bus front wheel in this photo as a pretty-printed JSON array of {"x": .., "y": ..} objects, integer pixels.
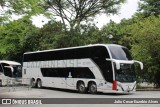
[
  {"x": 93, "y": 88},
  {"x": 81, "y": 87}
]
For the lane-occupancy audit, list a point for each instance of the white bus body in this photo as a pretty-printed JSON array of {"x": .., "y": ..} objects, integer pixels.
[
  {"x": 8, "y": 70},
  {"x": 92, "y": 68}
]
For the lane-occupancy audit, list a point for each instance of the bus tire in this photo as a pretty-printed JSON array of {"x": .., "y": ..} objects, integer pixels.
[
  {"x": 92, "y": 88},
  {"x": 81, "y": 87},
  {"x": 39, "y": 83},
  {"x": 33, "y": 84}
]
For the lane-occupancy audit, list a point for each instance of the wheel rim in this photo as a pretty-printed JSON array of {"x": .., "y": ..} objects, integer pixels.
[
  {"x": 93, "y": 88},
  {"x": 39, "y": 84},
  {"x": 81, "y": 87}
]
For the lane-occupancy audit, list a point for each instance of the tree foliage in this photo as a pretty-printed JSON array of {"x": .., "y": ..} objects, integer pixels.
[
  {"x": 76, "y": 11},
  {"x": 22, "y": 7},
  {"x": 149, "y": 7},
  {"x": 146, "y": 36},
  {"x": 50, "y": 34},
  {"x": 14, "y": 39},
  {"x": 120, "y": 33},
  {"x": 53, "y": 35}
]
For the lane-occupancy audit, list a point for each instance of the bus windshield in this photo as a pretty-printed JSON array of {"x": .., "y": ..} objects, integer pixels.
[
  {"x": 120, "y": 53},
  {"x": 126, "y": 73},
  {"x": 17, "y": 71}
]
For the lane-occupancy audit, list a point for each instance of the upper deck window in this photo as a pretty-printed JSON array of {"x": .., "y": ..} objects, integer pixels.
[{"x": 64, "y": 54}]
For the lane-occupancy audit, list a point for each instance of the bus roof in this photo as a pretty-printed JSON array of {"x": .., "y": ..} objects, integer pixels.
[
  {"x": 10, "y": 62},
  {"x": 91, "y": 45}
]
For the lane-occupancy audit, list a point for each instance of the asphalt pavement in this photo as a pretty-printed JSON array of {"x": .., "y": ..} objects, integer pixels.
[{"x": 27, "y": 92}]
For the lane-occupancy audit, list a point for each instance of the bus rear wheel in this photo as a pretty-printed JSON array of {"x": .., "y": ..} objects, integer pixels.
[
  {"x": 81, "y": 87},
  {"x": 93, "y": 88},
  {"x": 39, "y": 83},
  {"x": 33, "y": 84}
]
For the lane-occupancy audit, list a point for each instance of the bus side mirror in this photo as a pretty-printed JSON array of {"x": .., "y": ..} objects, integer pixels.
[
  {"x": 140, "y": 63},
  {"x": 117, "y": 65}
]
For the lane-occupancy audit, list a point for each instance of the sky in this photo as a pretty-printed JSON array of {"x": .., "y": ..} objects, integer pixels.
[{"x": 126, "y": 11}]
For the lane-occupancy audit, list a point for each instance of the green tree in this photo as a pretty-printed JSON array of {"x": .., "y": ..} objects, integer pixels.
[
  {"x": 53, "y": 35},
  {"x": 119, "y": 33},
  {"x": 111, "y": 32},
  {"x": 76, "y": 11},
  {"x": 90, "y": 35},
  {"x": 149, "y": 7},
  {"x": 50, "y": 35},
  {"x": 146, "y": 36},
  {"x": 21, "y": 8},
  {"x": 17, "y": 37}
]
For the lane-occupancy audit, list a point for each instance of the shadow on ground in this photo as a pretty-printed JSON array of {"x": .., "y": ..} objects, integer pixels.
[{"x": 76, "y": 92}]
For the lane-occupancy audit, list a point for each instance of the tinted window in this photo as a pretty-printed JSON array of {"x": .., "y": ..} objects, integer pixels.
[
  {"x": 17, "y": 72},
  {"x": 126, "y": 73},
  {"x": 77, "y": 53},
  {"x": 49, "y": 72},
  {"x": 82, "y": 53},
  {"x": 1, "y": 70},
  {"x": 100, "y": 52},
  {"x": 120, "y": 53},
  {"x": 105, "y": 67},
  {"x": 83, "y": 73},
  {"x": 7, "y": 71},
  {"x": 64, "y": 72}
]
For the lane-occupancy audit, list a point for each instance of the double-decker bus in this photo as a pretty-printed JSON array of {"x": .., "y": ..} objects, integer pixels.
[
  {"x": 9, "y": 70},
  {"x": 93, "y": 68}
]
